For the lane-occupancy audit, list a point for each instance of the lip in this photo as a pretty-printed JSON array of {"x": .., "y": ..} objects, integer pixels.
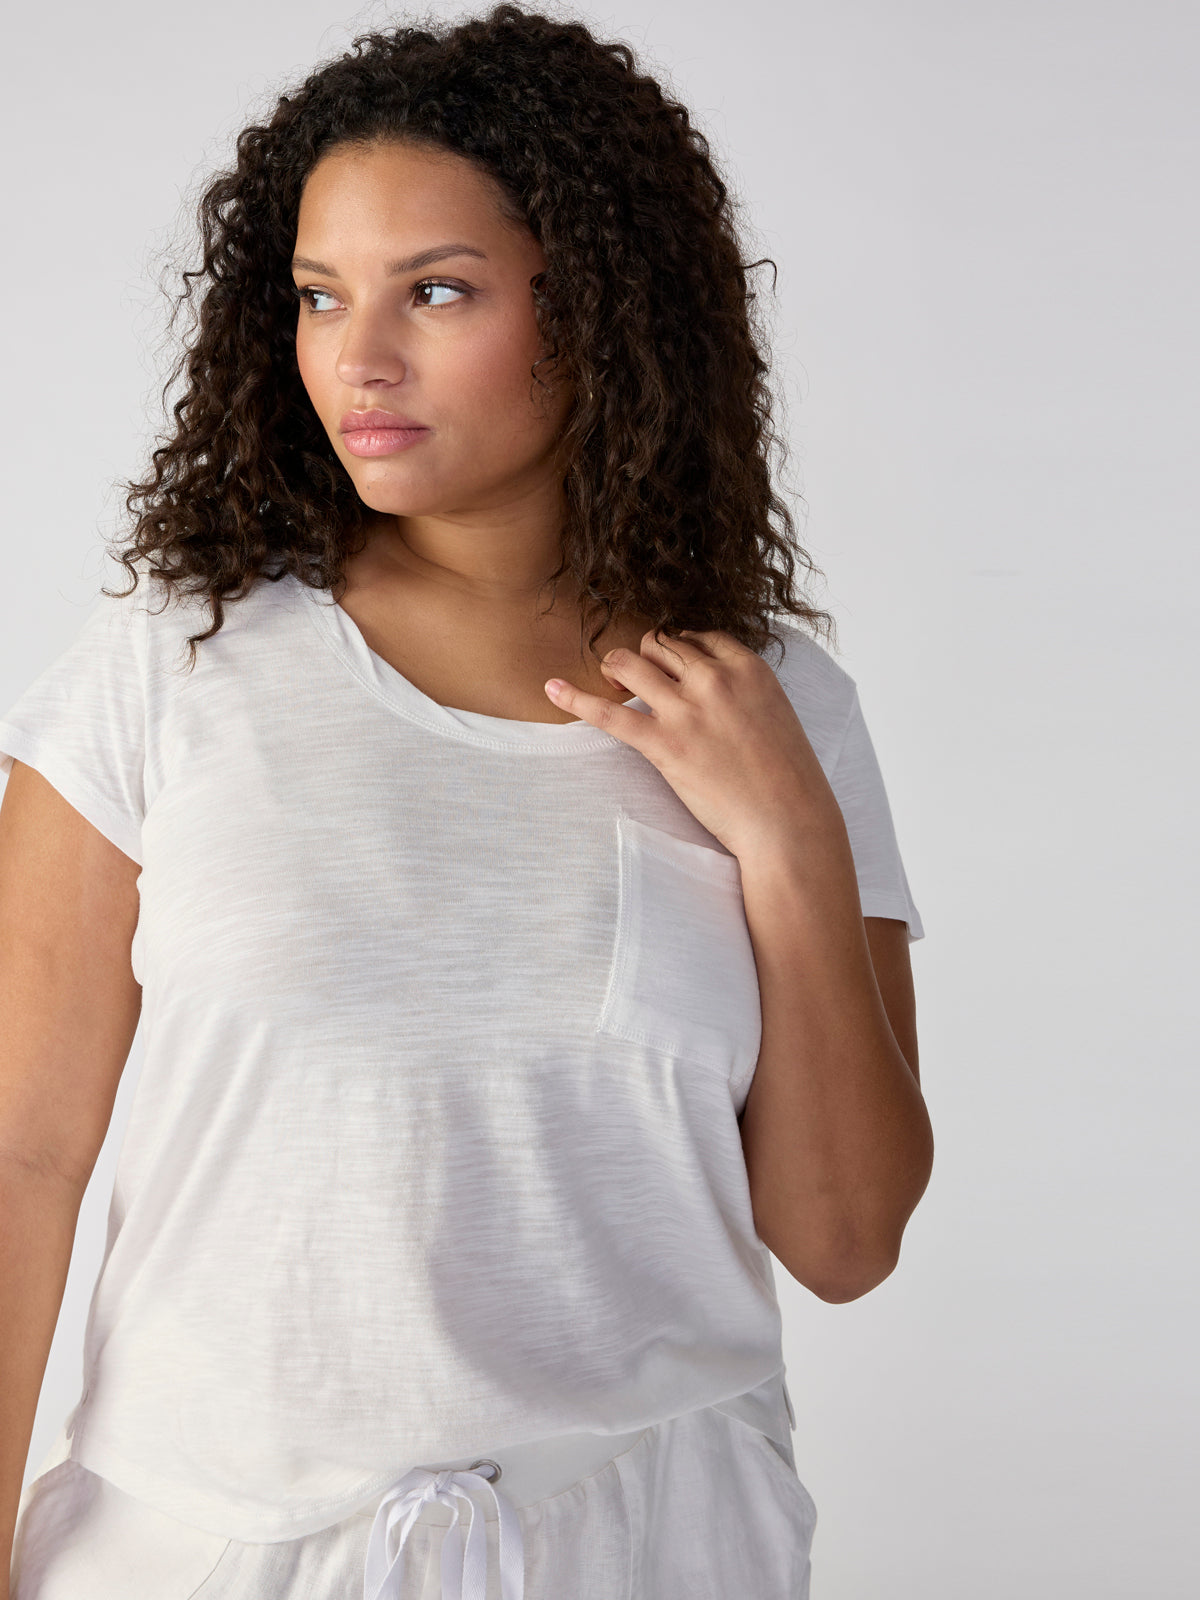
[
  {"x": 381, "y": 441},
  {"x": 375, "y": 421}
]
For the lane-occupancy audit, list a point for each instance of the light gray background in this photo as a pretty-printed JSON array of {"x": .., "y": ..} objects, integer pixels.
[{"x": 986, "y": 332}]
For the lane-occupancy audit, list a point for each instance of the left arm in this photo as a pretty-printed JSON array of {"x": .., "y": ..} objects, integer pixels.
[{"x": 836, "y": 1135}]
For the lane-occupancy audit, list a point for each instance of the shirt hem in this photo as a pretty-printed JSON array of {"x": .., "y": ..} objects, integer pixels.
[
  {"x": 215, "y": 1514},
  {"x": 764, "y": 1407},
  {"x": 16, "y": 744}
]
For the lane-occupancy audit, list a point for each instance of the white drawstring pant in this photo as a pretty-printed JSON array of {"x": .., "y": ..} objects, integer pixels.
[{"x": 700, "y": 1507}]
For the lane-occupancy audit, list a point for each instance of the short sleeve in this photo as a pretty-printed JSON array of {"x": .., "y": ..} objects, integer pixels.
[
  {"x": 858, "y": 785},
  {"x": 82, "y": 722}
]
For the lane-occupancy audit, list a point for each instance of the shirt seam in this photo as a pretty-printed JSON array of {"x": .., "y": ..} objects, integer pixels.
[
  {"x": 835, "y": 764},
  {"x": 599, "y": 741}
]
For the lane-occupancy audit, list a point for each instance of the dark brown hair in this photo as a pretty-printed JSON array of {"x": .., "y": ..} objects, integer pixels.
[{"x": 670, "y": 511}]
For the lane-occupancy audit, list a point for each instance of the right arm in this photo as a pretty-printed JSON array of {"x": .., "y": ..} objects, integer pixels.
[{"x": 69, "y": 1010}]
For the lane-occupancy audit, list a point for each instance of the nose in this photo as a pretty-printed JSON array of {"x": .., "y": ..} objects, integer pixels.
[{"x": 370, "y": 350}]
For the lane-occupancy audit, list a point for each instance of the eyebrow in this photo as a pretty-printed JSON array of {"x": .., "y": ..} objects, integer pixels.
[{"x": 423, "y": 258}]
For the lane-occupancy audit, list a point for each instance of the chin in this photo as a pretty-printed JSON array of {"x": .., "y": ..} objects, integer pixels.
[{"x": 391, "y": 499}]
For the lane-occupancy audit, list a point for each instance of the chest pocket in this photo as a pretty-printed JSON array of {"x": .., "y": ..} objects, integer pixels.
[{"x": 682, "y": 977}]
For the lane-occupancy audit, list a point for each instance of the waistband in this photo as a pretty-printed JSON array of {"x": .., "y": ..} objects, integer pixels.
[
  {"x": 471, "y": 1486},
  {"x": 529, "y": 1472},
  {"x": 491, "y": 1488}
]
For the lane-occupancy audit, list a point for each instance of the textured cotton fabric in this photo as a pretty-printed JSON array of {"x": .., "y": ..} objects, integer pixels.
[
  {"x": 447, "y": 1022},
  {"x": 699, "y": 1508}
]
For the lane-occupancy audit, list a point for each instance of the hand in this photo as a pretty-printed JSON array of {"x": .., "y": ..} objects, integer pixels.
[{"x": 722, "y": 732}]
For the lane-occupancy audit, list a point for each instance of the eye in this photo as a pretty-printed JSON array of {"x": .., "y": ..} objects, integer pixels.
[
  {"x": 433, "y": 283},
  {"x": 306, "y": 296}
]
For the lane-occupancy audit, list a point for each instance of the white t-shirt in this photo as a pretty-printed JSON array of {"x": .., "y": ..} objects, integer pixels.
[{"x": 447, "y": 1023}]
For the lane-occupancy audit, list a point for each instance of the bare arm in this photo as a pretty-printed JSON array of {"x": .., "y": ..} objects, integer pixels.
[
  {"x": 887, "y": 939},
  {"x": 835, "y": 1130},
  {"x": 69, "y": 1009}
]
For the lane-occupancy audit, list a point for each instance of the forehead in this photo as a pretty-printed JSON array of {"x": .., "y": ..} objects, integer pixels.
[{"x": 382, "y": 190}]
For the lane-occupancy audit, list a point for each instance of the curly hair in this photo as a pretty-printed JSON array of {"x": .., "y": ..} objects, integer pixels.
[{"x": 669, "y": 508}]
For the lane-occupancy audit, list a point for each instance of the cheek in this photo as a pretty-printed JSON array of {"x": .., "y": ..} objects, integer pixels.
[
  {"x": 489, "y": 367},
  {"x": 501, "y": 354},
  {"x": 308, "y": 365},
  {"x": 498, "y": 376}
]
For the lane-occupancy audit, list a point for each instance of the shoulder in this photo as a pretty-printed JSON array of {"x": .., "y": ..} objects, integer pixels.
[
  {"x": 167, "y": 614},
  {"x": 821, "y": 691},
  {"x": 806, "y": 664}
]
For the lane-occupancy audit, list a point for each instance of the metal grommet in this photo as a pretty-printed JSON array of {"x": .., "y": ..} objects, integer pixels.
[{"x": 492, "y": 1477}]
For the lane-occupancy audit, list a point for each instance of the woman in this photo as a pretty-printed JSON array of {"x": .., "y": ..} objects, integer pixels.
[{"x": 520, "y": 954}]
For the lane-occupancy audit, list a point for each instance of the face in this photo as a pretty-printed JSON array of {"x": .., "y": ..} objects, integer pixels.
[{"x": 446, "y": 342}]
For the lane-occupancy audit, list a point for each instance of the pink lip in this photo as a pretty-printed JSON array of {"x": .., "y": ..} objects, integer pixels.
[
  {"x": 355, "y": 421},
  {"x": 382, "y": 441}
]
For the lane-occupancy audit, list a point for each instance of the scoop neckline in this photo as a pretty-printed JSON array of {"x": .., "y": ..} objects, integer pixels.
[{"x": 340, "y": 631}]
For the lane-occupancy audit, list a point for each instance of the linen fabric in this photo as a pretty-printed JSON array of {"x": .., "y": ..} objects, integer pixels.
[
  {"x": 447, "y": 1022},
  {"x": 701, "y": 1507}
]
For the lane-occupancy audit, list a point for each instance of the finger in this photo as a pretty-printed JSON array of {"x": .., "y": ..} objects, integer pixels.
[
  {"x": 638, "y": 673},
  {"x": 623, "y": 722},
  {"x": 675, "y": 654},
  {"x": 716, "y": 642}
]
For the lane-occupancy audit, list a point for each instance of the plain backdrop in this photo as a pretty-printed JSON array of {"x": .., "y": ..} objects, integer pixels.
[{"x": 986, "y": 343}]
